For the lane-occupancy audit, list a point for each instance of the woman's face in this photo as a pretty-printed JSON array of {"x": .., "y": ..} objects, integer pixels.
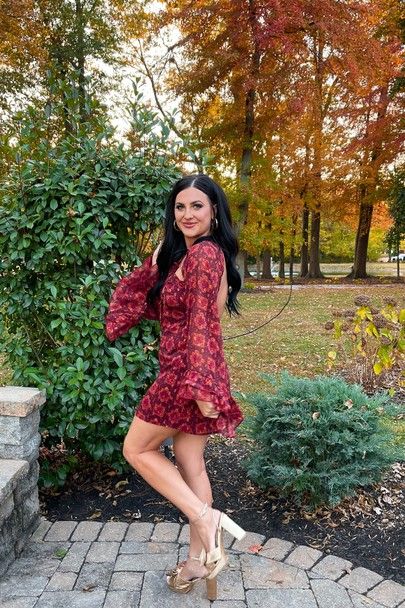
[{"x": 193, "y": 213}]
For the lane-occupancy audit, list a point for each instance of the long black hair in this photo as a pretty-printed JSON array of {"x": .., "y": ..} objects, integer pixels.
[{"x": 174, "y": 246}]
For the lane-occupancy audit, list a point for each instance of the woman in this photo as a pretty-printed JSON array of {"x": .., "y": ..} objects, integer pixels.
[{"x": 186, "y": 284}]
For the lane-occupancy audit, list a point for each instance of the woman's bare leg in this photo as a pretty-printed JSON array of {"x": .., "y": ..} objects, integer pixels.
[
  {"x": 141, "y": 450},
  {"x": 189, "y": 454}
]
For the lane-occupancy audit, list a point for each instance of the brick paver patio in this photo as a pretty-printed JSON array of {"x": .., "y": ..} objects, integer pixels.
[{"x": 112, "y": 565}]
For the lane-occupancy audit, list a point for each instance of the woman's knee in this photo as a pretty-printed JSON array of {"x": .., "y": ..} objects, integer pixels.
[{"x": 132, "y": 453}]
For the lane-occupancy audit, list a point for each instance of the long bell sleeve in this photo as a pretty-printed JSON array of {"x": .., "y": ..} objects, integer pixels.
[
  {"x": 128, "y": 303},
  {"x": 202, "y": 271}
]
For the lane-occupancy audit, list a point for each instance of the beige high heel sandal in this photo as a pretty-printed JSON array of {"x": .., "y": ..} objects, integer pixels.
[
  {"x": 201, "y": 558},
  {"x": 217, "y": 559},
  {"x": 181, "y": 585}
]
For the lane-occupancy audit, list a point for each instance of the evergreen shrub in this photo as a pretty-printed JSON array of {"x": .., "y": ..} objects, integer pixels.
[
  {"x": 74, "y": 218},
  {"x": 319, "y": 439}
]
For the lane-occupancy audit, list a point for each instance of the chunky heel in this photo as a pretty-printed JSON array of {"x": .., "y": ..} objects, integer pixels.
[
  {"x": 212, "y": 588},
  {"x": 216, "y": 559},
  {"x": 232, "y": 527}
]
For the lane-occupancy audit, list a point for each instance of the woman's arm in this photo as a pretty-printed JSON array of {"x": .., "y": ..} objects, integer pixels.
[{"x": 128, "y": 304}]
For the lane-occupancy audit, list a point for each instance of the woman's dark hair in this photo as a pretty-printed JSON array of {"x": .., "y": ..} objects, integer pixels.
[{"x": 174, "y": 247}]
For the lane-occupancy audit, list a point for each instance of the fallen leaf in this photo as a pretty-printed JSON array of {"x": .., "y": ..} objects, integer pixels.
[
  {"x": 255, "y": 548},
  {"x": 89, "y": 588},
  {"x": 121, "y": 484}
]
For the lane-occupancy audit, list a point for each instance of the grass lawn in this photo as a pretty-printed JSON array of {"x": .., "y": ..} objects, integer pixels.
[{"x": 296, "y": 340}]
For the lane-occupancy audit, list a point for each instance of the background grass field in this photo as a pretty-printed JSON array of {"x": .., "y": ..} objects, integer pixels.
[{"x": 296, "y": 340}]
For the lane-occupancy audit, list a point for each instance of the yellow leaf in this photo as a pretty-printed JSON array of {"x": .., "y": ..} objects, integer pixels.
[{"x": 377, "y": 367}]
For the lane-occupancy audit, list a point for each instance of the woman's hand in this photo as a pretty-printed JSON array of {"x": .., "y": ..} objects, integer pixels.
[
  {"x": 155, "y": 253},
  {"x": 207, "y": 409}
]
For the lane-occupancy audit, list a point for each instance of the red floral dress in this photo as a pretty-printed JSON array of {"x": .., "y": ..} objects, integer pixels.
[{"x": 191, "y": 357}]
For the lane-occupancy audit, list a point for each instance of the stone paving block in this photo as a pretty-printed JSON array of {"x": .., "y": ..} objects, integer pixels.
[
  {"x": 230, "y": 585},
  {"x": 126, "y": 581},
  {"x": 261, "y": 572},
  {"x": 360, "y": 580},
  {"x": 329, "y": 594},
  {"x": 22, "y": 585},
  {"x": 314, "y": 576},
  {"x": 18, "y": 602},
  {"x": 140, "y": 530},
  {"x": 87, "y": 531},
  {"x": 280, "y": 598},
  {"x": 362, "y": 601},
  {"x": 156, "y": 593},
  {"x": 41, "y": 530},
  {"x": 250, "y": 540},
  {"x": 41, "y": 567},
  {"x": 184, "y": 536},
  {"x": 166, "y": 532},
  {"x": 60, "y": 530},
  {"x": 62, "y": 581},
  {"x": 226, "y": 604},
  {"x": 103, "y": 551},
  {"x": 113, "y": 531},
  {"x": 275, "y": 548},
  {"x": 118, "y": 599},
  {"x": 228, "y": 539},
  {"x": 48, "y": 549},
  {"x": 94, "y": 575},
  {"x": 303, "y": 557},
  {"x": 72, "y": 599},
  {"x": 388, "y": 593},
  {"x": 74, "y": 558},
  {"x": 134, "y": 546},
  {"x": 142, "y": 563},
  {"x": 332, "y": 567}
]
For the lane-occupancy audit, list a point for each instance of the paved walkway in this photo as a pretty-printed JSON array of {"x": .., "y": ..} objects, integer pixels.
[{"x": 88, "y": 564}]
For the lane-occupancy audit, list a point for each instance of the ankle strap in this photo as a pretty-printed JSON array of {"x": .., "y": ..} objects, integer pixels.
[{"x": 201, "y": 514}]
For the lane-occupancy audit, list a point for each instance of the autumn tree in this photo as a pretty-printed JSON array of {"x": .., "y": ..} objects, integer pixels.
[{"x": 376, "y": 119}]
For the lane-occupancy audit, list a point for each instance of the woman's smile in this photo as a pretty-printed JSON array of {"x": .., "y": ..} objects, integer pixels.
[{"x": 193, "y": 213}]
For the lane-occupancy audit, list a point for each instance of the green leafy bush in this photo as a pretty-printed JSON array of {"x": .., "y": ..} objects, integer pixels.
[
  {"x": 370, "y": 341},
  {"x": 73, "y": 219},
  {"x": 318, "y": 439}
]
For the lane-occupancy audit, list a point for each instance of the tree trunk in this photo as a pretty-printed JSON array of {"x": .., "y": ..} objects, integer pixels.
[
  {"x": 304, "y": 246},
  {"x": 314, "y": 258},
  {"x": 305, "y": 212},
  {"x": 258, "y": 267},
  {"x": 281, "y": 272},
  {"x": 318, "y": 114},
  {"x": 267, "y": 265},
  {"x": 292, "y": 248},
  {"x": 245, "y": 170},
  {"x": 359, "y": 270},
  {"x": 246, "y": 272}
]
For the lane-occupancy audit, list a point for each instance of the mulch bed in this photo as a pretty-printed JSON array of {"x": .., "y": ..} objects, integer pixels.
[{"x": 368, "y": 529}]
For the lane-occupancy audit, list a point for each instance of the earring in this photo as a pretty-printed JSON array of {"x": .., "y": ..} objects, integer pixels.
[
  {"x": 214, "y": 224},
  {"x": 175, "y": 226}
]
